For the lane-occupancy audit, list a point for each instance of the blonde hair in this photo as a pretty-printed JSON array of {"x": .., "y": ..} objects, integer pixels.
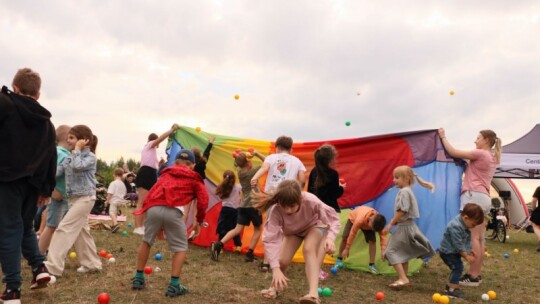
[
  {"x": 409, "y": 176},
  {"x": 494, "y": 142},
  {"x": 287, "y": 194}
]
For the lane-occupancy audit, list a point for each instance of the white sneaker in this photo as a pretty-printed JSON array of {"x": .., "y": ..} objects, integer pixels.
[
  {"x": 84, "y": 269},
  {"x": 139, "y": 230}
]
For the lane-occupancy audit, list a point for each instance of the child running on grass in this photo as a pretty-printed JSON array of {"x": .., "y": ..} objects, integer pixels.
[
  {"x": 177, "y": 186},
  {"x": 294, "y": 217},
  {"x": 407, "y": 241},
  {"x": 456, "y": 244},
  {"x": 369, "y": 221},
  {"x": 246, "y": 213},
  {"x": 229, "y": 193}
]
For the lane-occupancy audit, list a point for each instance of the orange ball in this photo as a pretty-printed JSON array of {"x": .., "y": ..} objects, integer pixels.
[
  {"x": 236, "y": 96},
  {"x": 103, "y": 253},
  {"x": 109, "y": 255},
  {"x": 379, "y": 295}
]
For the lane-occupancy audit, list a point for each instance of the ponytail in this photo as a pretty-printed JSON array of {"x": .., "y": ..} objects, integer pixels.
[
  {"x": 425, "y": 184},
  {"x": 224, "y": 189},
  {"x": 495, "y": 142},
  {"x": 408, "y": 174},
  {"x": 498, "y": 150}
]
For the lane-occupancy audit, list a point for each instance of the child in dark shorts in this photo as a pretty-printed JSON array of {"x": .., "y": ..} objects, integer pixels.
[
  {"x": 246, "y": 213},
  {"x": 369, "y": 221}
]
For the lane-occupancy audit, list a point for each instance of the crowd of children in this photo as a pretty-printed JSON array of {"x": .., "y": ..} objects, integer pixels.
[{"x": 293, "y": 216}]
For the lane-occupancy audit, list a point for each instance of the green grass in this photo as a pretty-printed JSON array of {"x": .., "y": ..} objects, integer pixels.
[{"x": 234, "y": 281}]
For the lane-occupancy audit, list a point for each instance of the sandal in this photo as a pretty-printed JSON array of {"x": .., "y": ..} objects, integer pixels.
[
  {"x": 397, "y": 285},
  {"x": 307, "y": 299},
  {"x": 270, "y": 293},
  {"x": 264, "y": 267}
]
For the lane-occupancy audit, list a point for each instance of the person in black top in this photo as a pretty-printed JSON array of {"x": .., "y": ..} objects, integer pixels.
[
  {"x": 27, "y": 179},
  {"x": 535, "y": 216},
  {"x": 201, "y": 160},
  {"x": 323, "y": 179}
]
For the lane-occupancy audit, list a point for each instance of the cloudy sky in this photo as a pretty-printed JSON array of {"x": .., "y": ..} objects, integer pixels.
[{"x": 301, "y": 68}]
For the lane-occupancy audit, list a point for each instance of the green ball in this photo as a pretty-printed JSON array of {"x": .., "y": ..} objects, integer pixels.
[
  {"x": 327, "y": 292},
  {"x": 124, "y": 232},
  {"x": 347, "y": 123}
]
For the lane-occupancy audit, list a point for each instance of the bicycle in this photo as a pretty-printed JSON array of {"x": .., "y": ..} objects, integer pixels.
[{"x": 497, "y": 226}]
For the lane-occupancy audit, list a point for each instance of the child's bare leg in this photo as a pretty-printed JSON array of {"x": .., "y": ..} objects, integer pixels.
[
  {"x": 402, "y": 275},
  {"x": 255, "y": 238},
  {"x": 113, "y": 218},
  {"x": 477, "y": 244},
  {"x": 372, "y": 251},
  {"x": 45, "y": 239},
  {"x": 313, "y": 252},
  {"x": 139, "y": 219},
  {"x": 42, "y": 225},
  {"x": 406, "y": 268},
  {"x": 232, "y": 233},
  {"x": 288, "y": 249},
  {"x": 178, "y": 263},
  {"x": 142, "y": 255}
]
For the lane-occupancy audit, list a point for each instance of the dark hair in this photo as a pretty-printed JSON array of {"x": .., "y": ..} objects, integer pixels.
[
  {"x": 198, "y": 156},
  {"x": 284, "y": 142},
  {"x": 84, "y": 132},
  {"x": 379, "y": 221},
  {"x": 224, "y": 189},
  {"x": 474, "y": 212},
  {"x": 28, "y": 82},
  {"x": 324, "y": 155},
  {"x": 152, "y": 136},
  {"x": 287, "y": 194}
]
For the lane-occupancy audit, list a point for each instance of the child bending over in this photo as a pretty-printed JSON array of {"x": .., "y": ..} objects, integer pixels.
[
  {"x": 294, "y": 217},
  {"x": 456, "y": 244}
]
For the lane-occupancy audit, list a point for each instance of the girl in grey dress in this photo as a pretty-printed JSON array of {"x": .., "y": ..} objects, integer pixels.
[{"x": 407, "y": 241}]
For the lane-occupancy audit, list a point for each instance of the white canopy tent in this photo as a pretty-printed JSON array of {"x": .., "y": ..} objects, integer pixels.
[{"x": 521, "y": 158}]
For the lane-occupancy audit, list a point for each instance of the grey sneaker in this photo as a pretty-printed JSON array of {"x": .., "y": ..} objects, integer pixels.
[
  {"x": 373, "y": 269},
  {"x": 456, "y": 293},
  {"x": 115, "y": 228}
]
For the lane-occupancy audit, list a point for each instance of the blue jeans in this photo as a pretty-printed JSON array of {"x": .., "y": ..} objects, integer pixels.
[
  {"x": 454, "y": 262},
  {"x": 18, "y": 205}
]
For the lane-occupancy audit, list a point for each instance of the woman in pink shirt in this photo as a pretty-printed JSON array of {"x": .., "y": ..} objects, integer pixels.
[
  {"x": 475, "y": 189},
  {"x": 147, "y": 174},
  {"x": 294, "y": 217}
]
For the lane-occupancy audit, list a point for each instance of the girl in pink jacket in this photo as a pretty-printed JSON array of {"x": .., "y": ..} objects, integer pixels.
[{"x": 293, "y": 217}]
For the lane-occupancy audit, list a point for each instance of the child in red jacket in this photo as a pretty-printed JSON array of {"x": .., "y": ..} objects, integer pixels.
[{"x": 176, "y": 187}]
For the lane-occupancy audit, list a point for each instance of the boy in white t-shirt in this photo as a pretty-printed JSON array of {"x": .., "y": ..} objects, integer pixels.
[
  {"x": 115, "y": 197},
  {"x": 280, "y": 166}
]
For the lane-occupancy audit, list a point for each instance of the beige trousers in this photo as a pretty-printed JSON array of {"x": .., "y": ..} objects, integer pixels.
[{"x": 73, "y": 230}]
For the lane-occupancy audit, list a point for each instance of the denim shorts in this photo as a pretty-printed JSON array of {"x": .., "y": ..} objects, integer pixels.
[{"x": 55, "y": 212}]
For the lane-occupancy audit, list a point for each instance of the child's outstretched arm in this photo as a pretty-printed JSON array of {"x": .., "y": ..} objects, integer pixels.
[
  {"x": 163, "y": 136},
  {"x": 259, "y": 155},
  {"x": 351, "y": 238},
  {"x": 329, "y": 216},
  {"x": 206, "y": 152}
]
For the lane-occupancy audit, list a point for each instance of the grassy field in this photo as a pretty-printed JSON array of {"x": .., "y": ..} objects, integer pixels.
[{"x": 234, "y": 281}]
